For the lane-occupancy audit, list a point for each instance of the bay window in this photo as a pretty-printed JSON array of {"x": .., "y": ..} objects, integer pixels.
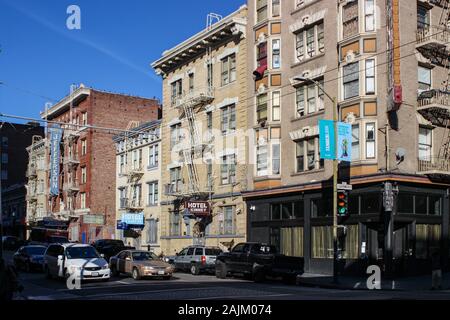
[
  {"x": 275, "y": 8},
  {"x": 276, "y": 47},
  {"x": 370, "y": 140},
  {"x": 261, "y": 108},
  {"x": 351, "y": 80},
  {"x": 350, "y": 19},
  {"x": 370, "y": 76},
  {"x": 276, "y": 158},
  {"x": 261, "y": 10},
  {"x": 356, "y": 154},
  {"x": 314, "y": 38},
  {"x": 369, "y": 19},
  {"x": 276, "y": 101},
  {"x": 261, "y": 160}
]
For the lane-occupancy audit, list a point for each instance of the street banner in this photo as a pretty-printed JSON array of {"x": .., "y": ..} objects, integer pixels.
[
  {"x": 198, "y": 208},
  {"x": 55, "y": 154},
  {"x": 326, "y": 140},
  {"x": 344, "y": 141}
]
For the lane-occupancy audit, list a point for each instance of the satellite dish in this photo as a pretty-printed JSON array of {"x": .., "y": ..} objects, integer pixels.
[{"x": 400, "y": 154}]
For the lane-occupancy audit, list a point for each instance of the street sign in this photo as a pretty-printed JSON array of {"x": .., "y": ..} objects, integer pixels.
[
  {"x": 326, "y": 140},
  {"x": 344, "y": 186}
]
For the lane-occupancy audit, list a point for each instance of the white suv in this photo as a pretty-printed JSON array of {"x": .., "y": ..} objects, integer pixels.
[{"x": 64, "y": 260}]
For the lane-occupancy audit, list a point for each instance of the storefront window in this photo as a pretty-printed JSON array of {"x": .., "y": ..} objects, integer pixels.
[
  {"x": 299, "y": 210},
  {"x": 421, "y": 204},
  {"x": 322, "y": 242},
  {"x": 370, "y": 203},
  {"x": 291, "y": 242},
  {"x": 353, "y": 205},
  {"x": 405, "y": 203},
  {"x": 275, "y": 213},
  {"x": 435, "y": 206}
]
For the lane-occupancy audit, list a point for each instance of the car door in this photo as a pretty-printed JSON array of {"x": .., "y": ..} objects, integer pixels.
[
  {"x": 121, "y": 261},
  {"x": 128, "y": 262},
  {"x": 188, "y": 258},
  {"x": 178, "y": 261},
  {"x": 235, "y": 254}
]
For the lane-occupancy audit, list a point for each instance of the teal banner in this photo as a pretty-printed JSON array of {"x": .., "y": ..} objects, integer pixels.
[
  {"x": 344, "y": 142},
  {"x": 326, "y": 139}
]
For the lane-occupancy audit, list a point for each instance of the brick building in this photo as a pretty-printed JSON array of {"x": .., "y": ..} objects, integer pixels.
[
  {"x": 86, "y": 181},
  {"x": 14, "y": 139}
]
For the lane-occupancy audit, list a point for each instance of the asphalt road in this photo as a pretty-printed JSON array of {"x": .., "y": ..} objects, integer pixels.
[{"x": 203, "y": 287}]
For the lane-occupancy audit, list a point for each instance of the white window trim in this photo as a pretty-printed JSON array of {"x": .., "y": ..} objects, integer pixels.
[
  {"x": 303, "y": 30},
  {"x": 364, "y": 77},
  {"x": 228, "y": 52},
  {"x": 374, "y": 17},
  {"x": 361, "y": 76},
  {"x": 270, "y": 58},
  {"x": 341, "y": 20}
]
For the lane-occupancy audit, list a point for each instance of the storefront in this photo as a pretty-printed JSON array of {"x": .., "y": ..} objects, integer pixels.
[{"x": 299, "y": 223}]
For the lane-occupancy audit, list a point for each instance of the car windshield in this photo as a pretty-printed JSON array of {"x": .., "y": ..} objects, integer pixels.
[
  {"x": 212, "y": 252},
  {"x": 143, "y": 256},
  {"x": 58, "y": 240},
  {"x": 35, "y": 250},
  {"x": 82, "y": 253}
]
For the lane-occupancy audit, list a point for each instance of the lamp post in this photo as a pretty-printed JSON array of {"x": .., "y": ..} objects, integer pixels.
[{"x": 335, "y": 173}]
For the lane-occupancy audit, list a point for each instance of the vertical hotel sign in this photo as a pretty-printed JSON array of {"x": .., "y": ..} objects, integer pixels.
[{"x": 55, "y": 153}]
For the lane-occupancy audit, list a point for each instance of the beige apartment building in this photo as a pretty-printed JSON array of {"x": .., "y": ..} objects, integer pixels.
[
  {"x": 386, "y": 63},
  {"x": 204, "y": 150},
  {"x": 37, "y": 182},
  {"x": 138, "y": 182}
]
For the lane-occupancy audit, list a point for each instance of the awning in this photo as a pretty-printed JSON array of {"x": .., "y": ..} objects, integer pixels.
[{"x": 259, "y": 72}]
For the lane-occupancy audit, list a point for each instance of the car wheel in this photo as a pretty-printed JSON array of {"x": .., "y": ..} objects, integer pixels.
[
  {"x": 221, "y": 270},
  {"x": 135, "y": 274},
  {"x": 195, "y": 269}
]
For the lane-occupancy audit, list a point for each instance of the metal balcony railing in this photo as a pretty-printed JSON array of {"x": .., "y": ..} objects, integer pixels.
[
  {"x": 72, "y": 187},
  {"x": 433, "y": 98},
  {"x": 434, "y": 164},
  {"x": 172, "y": 189},
  {"x": 72, "y": 160},
  {"x": 432, "y": 36},
  {"x": 195, "y": 97}
]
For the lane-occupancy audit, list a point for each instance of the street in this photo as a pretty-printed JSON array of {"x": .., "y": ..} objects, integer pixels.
[{"x": 203, "y": 287}]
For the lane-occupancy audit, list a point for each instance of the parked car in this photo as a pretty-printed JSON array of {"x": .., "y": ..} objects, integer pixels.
[
  {"x": 11, "y": 243},
  {"x": 110, "y": 247},
  {"x": 197, "y": 259},
  {"x": 256, "y": 261},
  {"x": 64, "y": 260},
  {"x": 29, "y": 258},
  {"x": 140, "y": 264}
]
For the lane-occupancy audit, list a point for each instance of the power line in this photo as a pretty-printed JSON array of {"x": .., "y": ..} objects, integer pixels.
[{"x": 79, "y": 126}]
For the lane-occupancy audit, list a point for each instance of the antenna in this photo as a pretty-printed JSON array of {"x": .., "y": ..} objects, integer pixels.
[{"x": 210, "y": 18}]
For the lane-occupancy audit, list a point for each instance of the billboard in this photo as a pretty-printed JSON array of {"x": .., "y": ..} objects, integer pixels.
[
  {"x": 198, "y": 208},
  {"x": 55, "y": 154},
  {"x": 326, "y": 139},
  {"x": 344, "y": 141}
]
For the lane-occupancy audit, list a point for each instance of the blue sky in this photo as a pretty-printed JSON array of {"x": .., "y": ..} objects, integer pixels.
[{"x": 118, "y": 40}]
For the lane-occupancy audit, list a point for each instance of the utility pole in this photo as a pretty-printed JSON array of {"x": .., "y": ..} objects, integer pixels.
[{"x": 1, "y": 206}]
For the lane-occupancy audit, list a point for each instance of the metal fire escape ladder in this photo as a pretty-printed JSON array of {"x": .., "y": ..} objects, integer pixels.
[{"x": 189, "y": 153}]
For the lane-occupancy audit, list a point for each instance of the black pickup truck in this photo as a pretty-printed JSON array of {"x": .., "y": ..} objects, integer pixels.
[
  {"x": 109, "y": 247},
  {"x": 256, "y": 261}
]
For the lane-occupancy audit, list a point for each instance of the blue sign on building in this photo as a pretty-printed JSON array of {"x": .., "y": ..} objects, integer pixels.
[
  {"x": 327, "y": 140},
  {"x": 132, "y": 221},
  {"x": 55, "y": 153},
  {"x": 344, "y": 141}
]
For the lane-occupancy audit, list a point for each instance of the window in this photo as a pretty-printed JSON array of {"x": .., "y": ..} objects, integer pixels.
[
  {"x": 369, "y": 20},
  {"x": 261, "y": 160},
  {"x": 83, "y": 200},
  {"x": 83, "y": 175},
  {"x": 153, "y": 155},
  {"x": 350, "y": 24},
  {"x": 136, "y": 194},
  {"x": 84, "y": 118},
  {"x": 228, "y": 169},
  {"x": 175, "y": 135},
  {"x": 355, "y": 142},
  {"x": 275, "y": 8},
  {"x": 123, "y": 197},
  {"x": 425, "y": 144},
  {"x": 209, "y": 120},
  {"x": 423, "y": 17},
  {"x": 175, "y": 224},
  {"x": 152, "y": 231},
  {"x": 312, "y": 96},
  {"x": 209, "y": 173},
  {"x": 276, "y": 63},
  {"x": 276, "y": 158},
  {"x": 175, "y": 179},
  {"x": 308, "y": 149},
  {"x": 228, "y": 119},
  {"x": 261, "y": 108},
  {"x": 191, "y": 82},
  {"x": 177, "y": 90},
  {"x": 370, "y": 76},
  {"x": 261, "y": 57},
  {"x": 229, "y": 69},
  {"x": 122, "y": 164},
  {"x": 210, "y": 76},
  {"x": 322, "y": 242},
  {"x": 153, "y": 194},
  {"x": 351, "y": 80},
  {"x": 314, "y": 38},
  {"x": 226, "y": 225},
  {"x": 261, "y": 10},
  {"x": 370, "y": 140},
  {"x": 276, "y": 101},
  {"x": 83, "y": 147},
  {"x": 424, "y": 77}
]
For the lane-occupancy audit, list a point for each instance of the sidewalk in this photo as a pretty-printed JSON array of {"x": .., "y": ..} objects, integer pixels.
[{"x": 419, "y": 283}]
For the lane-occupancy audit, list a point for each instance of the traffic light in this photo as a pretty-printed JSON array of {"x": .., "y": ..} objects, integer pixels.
[{"x": 342, "y": 206}]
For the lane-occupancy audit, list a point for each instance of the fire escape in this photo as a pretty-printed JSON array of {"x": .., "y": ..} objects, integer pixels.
[
  {"x": 433, "y": 42},
  {"x": 71, "y": 163}
]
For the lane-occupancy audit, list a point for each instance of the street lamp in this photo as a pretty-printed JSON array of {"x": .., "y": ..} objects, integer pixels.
[{"x": 335, "y": 173}]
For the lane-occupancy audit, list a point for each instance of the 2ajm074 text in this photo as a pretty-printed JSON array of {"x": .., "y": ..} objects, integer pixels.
[{"x": 240, "y": 310}]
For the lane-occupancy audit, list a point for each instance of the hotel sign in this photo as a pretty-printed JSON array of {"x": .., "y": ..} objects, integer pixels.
[
  {"x": 198, "y": 208},
  {"x": 55, "y": 153}
]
